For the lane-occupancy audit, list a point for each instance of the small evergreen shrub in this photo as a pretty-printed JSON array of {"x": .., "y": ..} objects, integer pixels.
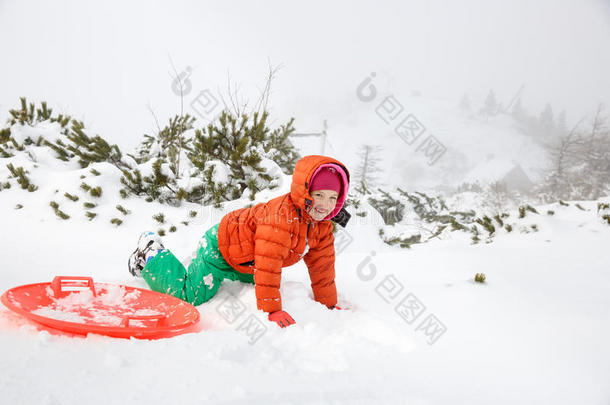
[
  {"x": 96, "y": 192},
  {"x": 58, "y": 212},
  {"x": 550, "y": 212},
  {"x": 193, "y": 214},
  {"x": 89, "y": 205},
  {"x": 402, "y": 242},
  {"x": 161, "y": 232},
  {"x": 602, "y": 206},
  {"x": 71, "y": 197},
  {"x": 160, "y": 218},
  {"x": 21, "y": 175},
  {"x": 30, "y": 115},
  {"x": 499, "y": 220},
  {"x": 456, "y": 226},
  {"x": 390, "y": 208},
  {"x": 479, "y": 277},
  {"x": 486, "y": 223},
  {"x": 94, "y": 172},
  {"x": 123, "y": 210},
  {"x": 116, "y": 221},
  {"x": 531, "y": 209},
  {"x": 524, "y": 208},
  {"x": 226, "y": 156},
  {"x": 172, "y": 228},
  {"x": 90, "y": 215}
]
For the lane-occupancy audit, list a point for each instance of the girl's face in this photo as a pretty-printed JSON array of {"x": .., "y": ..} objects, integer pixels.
[{"x": 324, "y": 201}]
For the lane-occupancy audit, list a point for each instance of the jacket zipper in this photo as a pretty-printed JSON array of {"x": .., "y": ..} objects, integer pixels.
[{"x": 307, "y": 239}]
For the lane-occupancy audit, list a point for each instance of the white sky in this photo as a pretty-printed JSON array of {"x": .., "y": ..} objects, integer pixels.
[{"x": 104, "y": 62}]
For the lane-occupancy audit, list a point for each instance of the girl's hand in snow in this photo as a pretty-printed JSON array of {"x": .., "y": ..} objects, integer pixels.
[
  {"x": 342, "y": 305},
  {"x": 281, "y": 318}
]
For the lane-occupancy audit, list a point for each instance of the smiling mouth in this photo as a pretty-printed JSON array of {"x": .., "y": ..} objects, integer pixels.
[{"x": 320, "y": 212}]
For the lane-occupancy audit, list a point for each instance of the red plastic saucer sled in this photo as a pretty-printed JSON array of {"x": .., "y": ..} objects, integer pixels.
[{"x": 77, "y": 305}]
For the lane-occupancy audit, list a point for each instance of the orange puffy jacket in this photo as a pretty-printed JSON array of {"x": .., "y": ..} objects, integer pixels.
[{"x": 263, "y": 239}]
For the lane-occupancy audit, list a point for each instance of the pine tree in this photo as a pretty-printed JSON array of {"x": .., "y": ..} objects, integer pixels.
[
  {"x": 277, "y": 147},
  {"x": 596, "y": 170},
  {"x": 580, "y": 163},
  {"x": 490, "y": 107},
  {"x": 547, "y": 121},
  {"x": 24, "y": 115},
  {"x": 92, "y": 149},
  {"x": 28, "y": 114},
  {"x": 223, "y": 160},
  {"x": 173, "y": 141},
  {"x": 565, "y": 155},
  {"x": 365, "y": 175},
  {"x": 229, "y": 155}
]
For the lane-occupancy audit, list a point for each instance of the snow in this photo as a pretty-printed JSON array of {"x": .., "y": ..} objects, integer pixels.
[
  {"x": 489, "y": 171},
  {"x": 419, "y": 329},
  {"x": 101, "y": 309},
  {"x": 47, "y": 130},
  {"x": 220, "y": 172}
]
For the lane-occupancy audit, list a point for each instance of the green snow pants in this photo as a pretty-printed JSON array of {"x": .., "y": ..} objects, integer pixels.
[{"x": 200, "y": 282}]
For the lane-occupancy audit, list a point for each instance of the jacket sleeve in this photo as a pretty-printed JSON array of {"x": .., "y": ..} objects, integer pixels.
[
  {"x": 271, "y": 247},
  {"x": 320, "y": 262}
]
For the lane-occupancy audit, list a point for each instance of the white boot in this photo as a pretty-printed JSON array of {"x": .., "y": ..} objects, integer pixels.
[{"x": 149, "y": 245}]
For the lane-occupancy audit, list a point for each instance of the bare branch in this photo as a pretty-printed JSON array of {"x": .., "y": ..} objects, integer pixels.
[
  {"x": 180, "y": 85},
  {"x": 154, "y": 117},
  {"x": 263, "y": 98}
]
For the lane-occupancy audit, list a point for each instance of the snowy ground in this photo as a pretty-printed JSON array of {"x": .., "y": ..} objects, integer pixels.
[{"x": 535, "y": 332}]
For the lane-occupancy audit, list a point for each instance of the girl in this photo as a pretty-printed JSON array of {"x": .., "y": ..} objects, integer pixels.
[{"x": 252, "y": 245}]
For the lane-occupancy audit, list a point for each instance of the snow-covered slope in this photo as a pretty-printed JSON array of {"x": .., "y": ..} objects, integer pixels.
[
  {"x": 473, "y": 143},
  {"x": 420, "y": 330}
]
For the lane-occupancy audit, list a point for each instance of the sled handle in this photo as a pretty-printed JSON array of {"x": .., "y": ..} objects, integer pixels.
[
  {"x": 160, "y": 318},
  {"x": 59, "y": 282}
]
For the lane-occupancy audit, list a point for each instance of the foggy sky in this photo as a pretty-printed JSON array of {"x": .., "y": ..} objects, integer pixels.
[{"x": 105, "y": 62}]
